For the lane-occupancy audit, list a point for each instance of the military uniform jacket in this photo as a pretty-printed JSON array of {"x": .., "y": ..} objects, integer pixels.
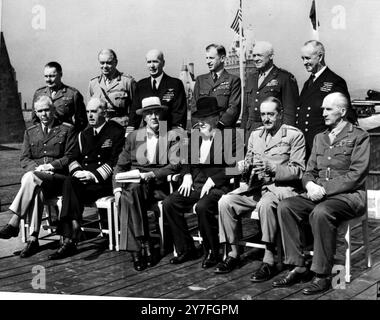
[
  {"x": 56, "y": 148},
  {"x": 285, "y": 150},
  {"x": 278, "y": 83},
  {"x": 341, "y": 167},
  {"x": 309, "y": 114},
  {"x": 227, "y": 90},
  {"x": 133, "y": 156},
  {"x": 171, "y": 93},
  {"x": 98, "y": 154},
  {"x": 118, "y": 94},
  {"x": 68, "y": 103}
]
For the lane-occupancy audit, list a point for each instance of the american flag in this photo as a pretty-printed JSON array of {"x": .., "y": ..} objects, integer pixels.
[{"x": 236, "y": 23}]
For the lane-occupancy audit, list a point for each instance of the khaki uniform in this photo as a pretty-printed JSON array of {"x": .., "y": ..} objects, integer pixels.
[
  {"x": 118, "y": 93},
  {"x": 285, "y": 150}
]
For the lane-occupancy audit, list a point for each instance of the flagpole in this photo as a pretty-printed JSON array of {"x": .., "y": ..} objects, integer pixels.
[
  {"x": 241, "y": 57},
  {"x": 316, "y": 20},
  {"x": 1, "y": 14}
]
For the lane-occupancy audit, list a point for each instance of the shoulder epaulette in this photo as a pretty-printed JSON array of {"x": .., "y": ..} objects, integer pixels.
[
  {"x": 292, "y": 128},
  {"x": 67, "y": 124},
  {"x": 32, "y": 127},
  {"x": 41, "y": 88},
  {"x": 97, "y": 77}
]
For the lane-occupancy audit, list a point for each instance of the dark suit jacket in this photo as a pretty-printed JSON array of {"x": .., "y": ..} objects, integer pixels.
[
  {"x": 133, "y": 156},
  {"x": 99, "y": 154},
  {"x": 279, "y": 84},
  {"x": 171, "y": 93},
  {"x": 227, "y": 90},
  {"x": 56, "y": 148},
  {"x": 219, "y": 159},
  {"x": 309, "y": 114}
]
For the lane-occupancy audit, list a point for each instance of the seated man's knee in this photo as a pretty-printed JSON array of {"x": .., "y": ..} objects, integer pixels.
[
  {"x": 225, "y": 201},
  {"x": 28, "y": 177},
  {"x": 283, "y": 207},
  {"x": 320, "y": 213}
]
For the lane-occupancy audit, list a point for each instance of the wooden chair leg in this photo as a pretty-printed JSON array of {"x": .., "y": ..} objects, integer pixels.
[
  {"x": 110, "y": 224},
  {"x": 347, "y": 237},
  {"x": 116, "y": 226},
  {"x": 24, "y": 231},
  {"x": 161, "y": 226},
  {"x": 368, "y": 258}
]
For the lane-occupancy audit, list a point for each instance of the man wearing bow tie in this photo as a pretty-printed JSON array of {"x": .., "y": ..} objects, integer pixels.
[
  {"x": 170, "y": 91},
  {"x": 322, "y": 82},
  {"x": 95, "y": 154},
  {"x": 46, "y": 153},
  {"x": 268, "y": 81},
  {"x": 218, "y": 83},
  {"x": 68, "y": 101}
]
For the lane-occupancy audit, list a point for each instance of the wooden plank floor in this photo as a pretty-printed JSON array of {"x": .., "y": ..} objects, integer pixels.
[{"x": 96, "y": 270}]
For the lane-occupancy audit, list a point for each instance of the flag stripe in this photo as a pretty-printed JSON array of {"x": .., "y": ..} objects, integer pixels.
[{"x": 236, "y": 23}]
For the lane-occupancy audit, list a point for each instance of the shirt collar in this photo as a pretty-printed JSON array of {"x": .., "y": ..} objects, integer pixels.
[
  {"x": 319, "y": 72},
  {"x": 150, "y": 133},
  {"x": 158, "y": 80},
  {"x": 339, "y": 128},
  {"x": 98, "y": 129},
  {"x": 265, "y": 73}
]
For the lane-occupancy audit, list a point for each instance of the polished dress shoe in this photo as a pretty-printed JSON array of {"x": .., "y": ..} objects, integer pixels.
[
  {"x": 227, "y": 265},
  {"x": 292, "y": 278},
  {"x": 210, "y": 260},
  {"x": 184, "y": 256},
  {"x": 9, "y": 231},
  {"x": 67, "y": 249},
  {"x": 264, "y": 273},
  {"x": 32, "y": 247},
  {"x": 138, "y": 261},
  {"x": 318, "y": 285}
]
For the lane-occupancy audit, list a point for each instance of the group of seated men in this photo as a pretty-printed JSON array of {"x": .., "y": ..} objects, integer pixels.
[{"x": 285, "y": 191}]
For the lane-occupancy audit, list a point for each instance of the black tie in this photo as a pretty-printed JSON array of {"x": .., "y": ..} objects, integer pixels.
[
  {"x": 214, "y": 77},
  {"x": 155, "y": 86},
  {"x": 46, "y": 131},
  {"x": 311, "y": 80},
  {"x": 95, "y": 133}
]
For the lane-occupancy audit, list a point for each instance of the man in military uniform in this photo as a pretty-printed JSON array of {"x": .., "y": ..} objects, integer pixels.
[
  {"x": 95, "y": 154},
  {"x": 114, "y": 87},
  {"x": 272, "y": 169},
  {"x": 68, "y": 102},
  {"x": 268, "y": 81},
  {"x": 218, "y": 83},
  {"x": 170, "y": 91},
  {"x": 45, "y": 155},
  {"x": 322, "y": 81},
  {"x": 334, "y": 181}
]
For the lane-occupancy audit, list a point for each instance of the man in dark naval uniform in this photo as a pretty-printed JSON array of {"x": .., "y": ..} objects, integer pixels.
[
  {"x": 170, "y": 91},
  {"x": 322, "y": 81},
  {"x": 268, "y": 81},
  {"x": 68, "y": 102},
  {"x": 46, "y": 152},
  {"x": 218, "y": 83},
  {"x": 114, "y": 87},
  {"x": 95, "y": 154}
]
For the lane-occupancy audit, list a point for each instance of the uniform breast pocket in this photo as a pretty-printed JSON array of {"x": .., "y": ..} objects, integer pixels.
[
  {"x": 344, "y": 151},
  {"x": 225, "y": 92},
  {"x": 34, "y": 147},
  {"x": 119, "y": 98},
  {"x": 273, "y": 90},
  {"x": 283, "y": 149},
  {"x": 59, "y": 146},
  {"x": 204, "y": 93},
  {"x": 62, "y": 107}
]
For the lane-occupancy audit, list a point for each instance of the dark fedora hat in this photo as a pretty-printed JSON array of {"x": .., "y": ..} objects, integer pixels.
[
  {"x": 149, "y": 104},
  {"x": 206, "y": 107}
]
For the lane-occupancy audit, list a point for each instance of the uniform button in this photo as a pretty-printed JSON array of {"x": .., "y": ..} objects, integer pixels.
[
  {"x": 308, "y": 108},
  {"x": 85, "y": 157},
  {"x": 86, "y": 164},
  {"x": 297, "y": 115},
  {"x": 257, "y": 100},
  {"x": 99, "y": 162},
  {"x": 306, "y": 122},
  {"x": 44, "y": 144},
  {"x": 327, "y": 179},
  {"x": 307, "y": 116},
  {"x": 265, "y": 151},
  {"x": 331, "y": 147},
  {"x": 296, "y": 122},
  {"x": 306, "y": 129},
  {"x": 255, "y": 109},
  {"x": 329, "y": 158},
  {"x": 298, "y": 108},
  {"x": 214, "y": 90},
  {"x": 45, "y": 151},
  {"x": 98, "y": 155},
  {"x": 258, "y": 92}
]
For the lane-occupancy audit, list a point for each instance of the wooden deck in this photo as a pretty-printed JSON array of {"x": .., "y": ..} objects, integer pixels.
[{"x": 97, "y": 271}]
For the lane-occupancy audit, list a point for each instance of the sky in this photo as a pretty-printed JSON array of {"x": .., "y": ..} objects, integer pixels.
[{"x": 72, "y": 32}]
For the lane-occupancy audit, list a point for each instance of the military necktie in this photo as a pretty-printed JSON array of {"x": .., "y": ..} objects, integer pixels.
[
  {"x": 214, "y": 76},
  {"x": 311, "y": 80},
  {"x": 95, "y": 133},
  {"x": 260, "y": 79},
  {"x": 154, "y": 87}
]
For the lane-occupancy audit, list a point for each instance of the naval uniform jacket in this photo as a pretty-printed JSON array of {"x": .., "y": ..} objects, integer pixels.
[
  {"x": 118, "y": 94},
  {"x": 280, "y": 84},
  {"x": 171, "y": 93},
  {"x": 56, "y": 148},
  {"x": 98, "y": 154},
  {"x": 341, "y": 167},
  {"x": 68, "y": 103},
  {"x": 226, "y": 89},
  {"x": 285, "y": 150},
  {"x": 309, "y": 114}
]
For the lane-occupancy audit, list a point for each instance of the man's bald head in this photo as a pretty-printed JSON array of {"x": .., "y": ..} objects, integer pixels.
[{"x": 155, "y": 62}]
